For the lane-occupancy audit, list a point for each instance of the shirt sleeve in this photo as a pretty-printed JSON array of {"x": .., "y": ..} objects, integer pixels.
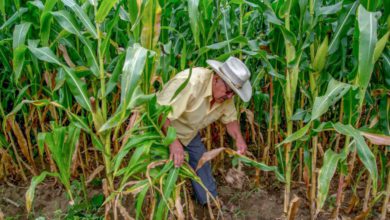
[
  {"x": 229, "y": 112},
  {"x": 180, "y": 102}
]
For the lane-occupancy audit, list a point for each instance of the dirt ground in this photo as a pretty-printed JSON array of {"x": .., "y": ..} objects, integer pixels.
[{"x": 249, "y": 202}]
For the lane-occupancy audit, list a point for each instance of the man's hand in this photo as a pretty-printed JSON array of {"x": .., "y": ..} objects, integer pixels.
[
  {"x": 175, "y": 149},
  {"x": 176, "y": 153},
  {"x": 233, "y": 129}
]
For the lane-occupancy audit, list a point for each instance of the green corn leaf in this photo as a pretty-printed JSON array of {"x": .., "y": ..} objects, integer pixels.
[
  {"x": 78, "y": 88},
  {"x": 13, "y": 18},
  {"x": 367, "y": 41},
  {"x": 112, "y": 82},
  {"x": 296, "y": 135},
  {"x": 107, "y": 38},
  {"x": 140, "y": 200},
  {"x": 170, "y": 137},
  {"x": 137, "y": 169},
  {"x": 41, "y": 143},
  {"x": 320, "y": 58},
  {"x": 132, "y": 69},
  {"x": 20, "y": 33},
  {"x": 5, "y": 59},
  {"x": 133, "y": 11},
  {"x": 380, "y": 46},
  {"x": 141, "y": 150},
  {"x": 93, "y": 2},
  {"x": 342, "y": 25},
  {"x": 18, "y": 61},
  {"x": 97, "y": 143},
  {"x": 169, "y": 186},
  {"x": 19, "y": 106},
  {"x": 2, "y": 7},
  {"x": 386, "y": 67},
  {"x": 285, "y": 8},
  {"x": 183, "y": 85},
  {"x": 334, "y": 92},
  {"x": 331, "y": 9},
  {"x": 79, "y": 122},
  {"x": 45, "y": 21},
  {"x": 116, "y": 119},
  {"x": 167, "y": 167},
  {"x": 331, "y": 160},
  {"x": 262, "y": 166},
  {"x": 31, "y": 189},
  {"x": 288, "y": 35},
  {"x": 183, "y": 58},
  {"x": 82, "y": 16},
  {"x": 193, "y": 13},
  {"x": 139, "y": 98},
  {"x": 89, "y": 52},
  {"x": 62, "y": 144},
  {"x": 220, "y": 45},
  {"x": 364, "y": 152},
  {"x": 133, "y": 142},
  {"x": 384, "y": 116},
  {"x": 45, "y": 54},
  {"x": 151, "y": 19},
  {"x": 67, "y": 21},
  {"x": 104, "y": 9}
]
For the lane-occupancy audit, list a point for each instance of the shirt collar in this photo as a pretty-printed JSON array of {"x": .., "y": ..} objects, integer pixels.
[{"x": 209, "y": 88}]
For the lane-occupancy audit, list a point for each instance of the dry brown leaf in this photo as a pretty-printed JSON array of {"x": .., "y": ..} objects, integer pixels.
[
  {"x": 66, "y": 56},
  {"x": 363, "y": 215},
  {"x": 124, "y": 213},
  {"x": 209, "y": 156},
  {"x": 377, "y": 139},
  {"x": 20, "y": 139},
  {"x": 191, "y": 208},
  {"x": 294, "y": 207},
  {"x": 75, "y": 160},
  {"x": 352, "y": 204},
  {"x": 321, "y": 150},
  {"x": 132, "y": 120},
  {"x": 251, "y": 119},
  {"x": 156, "y": 78},
  {"x": 94, "y": 173},
  {"x": 134, "y": 191},
  {"x": 374, "y": 121},
  {"x": 306, "y": 177},
  {"x": 107, "y": 206},
  {"x": 179, "y": 207}
]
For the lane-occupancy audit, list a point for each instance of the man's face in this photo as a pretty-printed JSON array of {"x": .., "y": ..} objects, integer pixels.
[{"x": 221, "y": 90}]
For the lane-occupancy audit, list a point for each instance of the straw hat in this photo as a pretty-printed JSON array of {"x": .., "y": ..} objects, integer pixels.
[{"x": 235, "y": 73}]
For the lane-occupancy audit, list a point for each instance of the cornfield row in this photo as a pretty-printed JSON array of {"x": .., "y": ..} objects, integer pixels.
[{"x": 78, "y": 102}]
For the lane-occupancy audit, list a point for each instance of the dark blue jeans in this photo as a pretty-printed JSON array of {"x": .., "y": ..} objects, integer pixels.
[{"x": 195, "y": 150}]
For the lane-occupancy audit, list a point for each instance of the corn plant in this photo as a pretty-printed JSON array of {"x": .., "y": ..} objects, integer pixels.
[
  {"x": 89, "y": 70},
  {"x": 62, "y": 144}
]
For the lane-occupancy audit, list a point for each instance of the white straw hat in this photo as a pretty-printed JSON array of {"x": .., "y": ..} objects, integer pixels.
[{"x": 235, "y": 73}]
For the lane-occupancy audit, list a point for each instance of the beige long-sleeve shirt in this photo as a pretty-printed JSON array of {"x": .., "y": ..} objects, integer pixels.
[{"x": 191, "y": 108}]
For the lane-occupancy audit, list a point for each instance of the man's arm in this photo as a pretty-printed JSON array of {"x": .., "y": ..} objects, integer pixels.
[
  {"x": 234, "y": 131},
  {"x": 176, "y": 148}
]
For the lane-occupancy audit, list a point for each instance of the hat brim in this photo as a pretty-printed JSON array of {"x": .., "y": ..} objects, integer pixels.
[{"x": 245, "y": 92}]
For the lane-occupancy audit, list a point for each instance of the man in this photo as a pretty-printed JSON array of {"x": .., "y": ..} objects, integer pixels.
[{"x": 207, "y": 97}]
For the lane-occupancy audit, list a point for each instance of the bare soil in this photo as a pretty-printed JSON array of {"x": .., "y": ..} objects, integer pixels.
[{"x": 249, "y": 202}]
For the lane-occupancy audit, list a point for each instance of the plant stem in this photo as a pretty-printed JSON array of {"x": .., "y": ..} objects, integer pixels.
[
  {"x": 313, "y": 177},
  {"x": 335, "y": 213},
  {"x": 386, "y": 199}
]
